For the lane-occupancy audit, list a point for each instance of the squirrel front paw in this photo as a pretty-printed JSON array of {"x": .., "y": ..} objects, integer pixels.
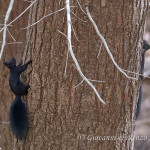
[
  {"x": 27, "y": 86},
  {"x": 29, "y": 62}
]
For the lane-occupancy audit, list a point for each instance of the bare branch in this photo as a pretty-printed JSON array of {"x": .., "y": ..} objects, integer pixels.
[
  {"x": 105, "y": 44},
  {"x": 77, "y": 16},
  {"x": 3, "y": 122},
  {"x": 19, "y": 15},
  {"x": 44, "y": 17},
  {"x": 99, "y": 50},
  {"x": 66, "y": 63},
  {"x": 81, "y": 7},
  {"x": 5, "y": 26},
  {"x": 74, "y": 33},
  {"x": 79, "y": 84},
  {"x": 11, "y": 35},
  {"x": 136, "y": 73},
  {"x": 12, "y": 43},
  {"x": 72, "y": 53},
  {"x": 96, "y": 81}
]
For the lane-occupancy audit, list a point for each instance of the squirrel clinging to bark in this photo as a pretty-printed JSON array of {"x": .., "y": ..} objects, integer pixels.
[
  {"x": 17, "y": 87},
  {"x": 18, "y": 113},
  {"x": 146, "y": 47}
]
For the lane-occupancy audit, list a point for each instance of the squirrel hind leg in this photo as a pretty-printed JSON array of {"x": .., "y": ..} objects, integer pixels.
[
  {"x": 26, "y": 89},
  {"x": 18, "y": 119},
  {"x": 23, "y": 89}
]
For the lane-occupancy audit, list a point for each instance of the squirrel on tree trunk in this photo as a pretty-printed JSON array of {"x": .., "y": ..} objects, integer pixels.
[
  {"x": 146, "y": 46},
  {"x": 18, "y": 112}
]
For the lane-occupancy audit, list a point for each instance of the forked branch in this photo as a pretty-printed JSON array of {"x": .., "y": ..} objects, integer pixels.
[
  {"x": 72, "y": 53},
  {"x": 105, "y": 44}
]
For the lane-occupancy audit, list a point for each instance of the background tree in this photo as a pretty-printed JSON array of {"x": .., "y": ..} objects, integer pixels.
[{"x": 64, "y": 117}]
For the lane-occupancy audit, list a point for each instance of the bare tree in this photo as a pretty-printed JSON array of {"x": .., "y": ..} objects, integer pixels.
[{"x": 65, "y": 112}]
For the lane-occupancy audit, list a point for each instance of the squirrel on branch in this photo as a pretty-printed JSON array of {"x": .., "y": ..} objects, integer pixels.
[{"x": 18, "y": 112}]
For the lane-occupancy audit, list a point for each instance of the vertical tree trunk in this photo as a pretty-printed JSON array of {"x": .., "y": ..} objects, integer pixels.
[
  {"x": 64, "y": 117},
  {"x": 11, "y": 50}
]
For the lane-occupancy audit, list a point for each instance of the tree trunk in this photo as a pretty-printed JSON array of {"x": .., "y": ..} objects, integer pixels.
[
  {"x": 64, "y": 117},
  {"x": 11, "y": 50}
]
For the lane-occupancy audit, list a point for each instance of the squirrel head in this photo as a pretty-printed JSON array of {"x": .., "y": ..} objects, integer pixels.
[
  {"x": 11, "y": 63},
  {"x": 146, "y": 46}
]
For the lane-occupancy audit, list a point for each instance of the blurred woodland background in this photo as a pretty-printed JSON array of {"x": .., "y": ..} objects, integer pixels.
[{"x": 142, "y": 125}]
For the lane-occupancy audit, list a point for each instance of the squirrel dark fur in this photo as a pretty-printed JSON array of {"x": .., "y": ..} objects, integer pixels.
[
  {"x": 17, "y": 87},
  {"x": 18, "y": 112},
  {"x": 18, "y": 118},
  {"x": 146, "y": 46}
]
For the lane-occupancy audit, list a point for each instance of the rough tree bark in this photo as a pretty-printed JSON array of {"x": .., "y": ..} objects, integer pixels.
[
  {"x": 11, "y": 50},
  {"x": 64, "y": 117}
]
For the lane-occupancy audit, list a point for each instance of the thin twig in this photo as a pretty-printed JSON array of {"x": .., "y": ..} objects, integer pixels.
[
  {"x": 62, "y": 34},
  {"x": 67, "y": 54},
  {"x": 43, "y": 18},
  {"x": 79, "y": 84},
  {"x": 66, "y": 63},
  {"x": 74, "y": 32},
  {"x": 136, "y": 73},
  {"x": 27, "y": 1},
  {"x": 89, "y": 80},
  {"x": 105, "y": 44},
  {"x": 77, "y": 16},
  {"x": 15, "y": 43},
  {"x": 72, "y": 53},
  {"x": 96, "y": 81},
  {"x": 3, "y": 122},
  {"x": 12, "y": 42},
  {"x": 100, "y": 48},
  {"x": 19, "y": 15},
  {"x": 81, "y": 7},
  {"x": 3, "y": 25},
  {"x": 11, "y": 35}
]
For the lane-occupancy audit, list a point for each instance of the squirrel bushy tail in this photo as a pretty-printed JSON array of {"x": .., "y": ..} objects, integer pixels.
[{"x": 18, "y": 118}]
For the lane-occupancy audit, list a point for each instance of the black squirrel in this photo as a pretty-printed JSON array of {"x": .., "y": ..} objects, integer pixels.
[
  {"x": 18, "y": 112},
  {"x": 146, "y": 46}
]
